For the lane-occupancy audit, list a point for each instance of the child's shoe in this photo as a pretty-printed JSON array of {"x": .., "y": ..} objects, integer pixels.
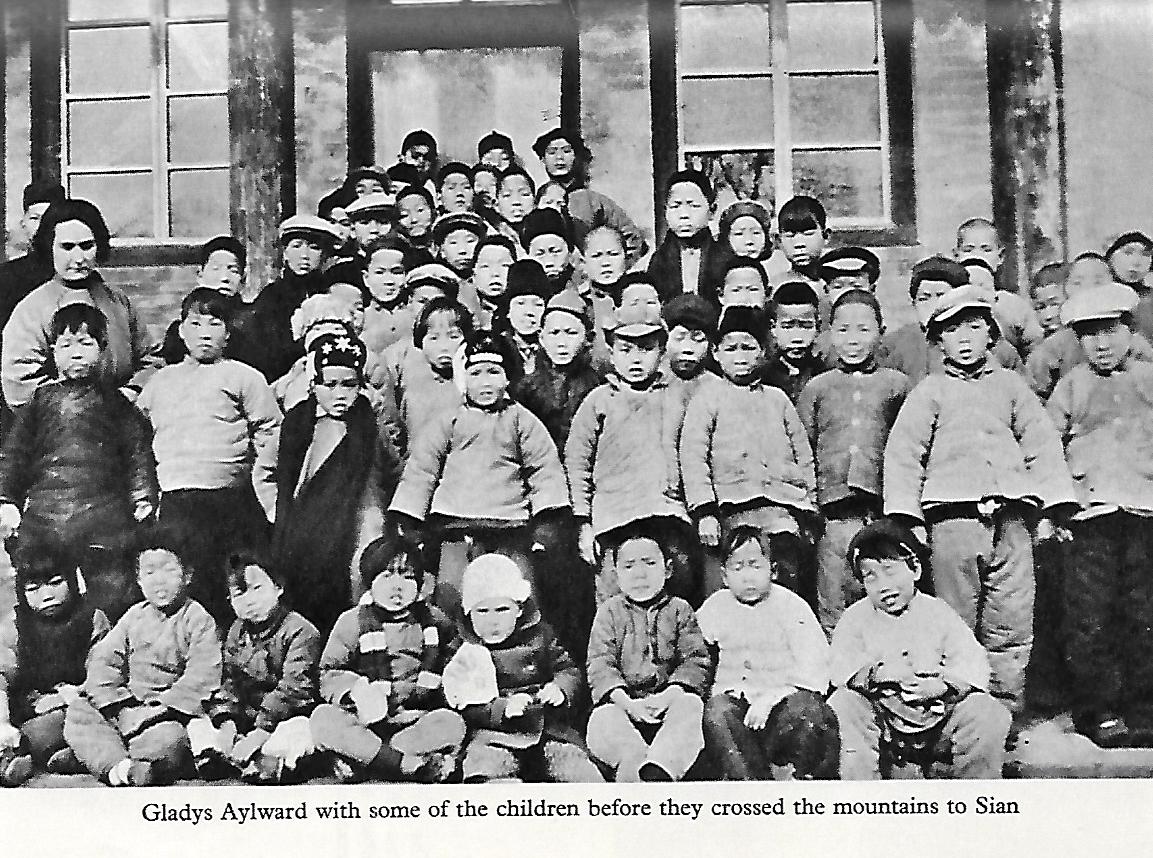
[
  {"x": 64, "y": 762},
  {"x": 264, "y": 769},
  {"x": 434, "y": 768},
  {"x": 211, "y": 765},
  {"x": 15, "y": 768},
  {"x": 1111, "y": 731},
  {"x": 654, "y": 772},
  {"x": 343, "y": 771},
  {"x": 438, "y": 730},
  {"x": 128, "y": 772}
]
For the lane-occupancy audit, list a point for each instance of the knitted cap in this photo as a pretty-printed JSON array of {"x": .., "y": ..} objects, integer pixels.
[
  {"x": 420, "y": 137},
  {"x": 493, "y": 140},
  {"x": 1128, "y": 238},
  {"x": 745, "y": 208},
  {"x": 489, "y": 577},
  {"x": 540, "y": 222},
  {"x": 337, "y": 350},
  {"x": 486, "y": 347},
  {"x": 380, "y": 553}
]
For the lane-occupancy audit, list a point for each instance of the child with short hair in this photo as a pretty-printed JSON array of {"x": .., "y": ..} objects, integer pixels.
[
  {"x": 971, "y": 456},
  {"x": 795, "y": 318},
  {"x": 42, "y": 671},
  {"x": 222, "y": 264},
  {"x": 802, "y": 226},
  {"x": 495, "y": 255},
  {"x": 256, "y": 725},
  {"x": 215, "y": 423},
  {"x": 484, "y": 182},
  {"x": 513, "y": 683},
  {"x": 456, "y": 237},
  {"x": 515, "y": 198},
  {"x": 692, "y": 324},
  {"x": 648, "y": 668},
  {"x": 848, "y": 412},
  {"x": 745, "y": 284},
  {"x": 148, "y": 677},
  {"x": 454, "y": 186},
  {"x": 911, "y": 679},
  {"x": 1130, "y": 256},
  {"x": 744, "y": 455},
  {"x": 767, "y": 714},
  {"x": 745, "y": 229},
  {"x": 415, "y": 212},
  {"x": 1047, "y": 292},
  {"x": 76, "y": 469},
  {"x": 380, "y": 675},
  {"x": 689, "y": 260},
  {"x": 387, "y": 317}
]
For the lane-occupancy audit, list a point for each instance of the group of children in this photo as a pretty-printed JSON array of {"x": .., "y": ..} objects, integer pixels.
[{"x": 467, "y": 493}]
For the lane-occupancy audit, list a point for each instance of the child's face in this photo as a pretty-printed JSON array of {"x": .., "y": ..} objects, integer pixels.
[
  {"x": 339, "y": 218},
  {"x": 965, "y": 339},
  {"x": 75, "y": 354},
  {"x": 484, "y": 187},
  {"x": 686, "y": 210},
  {"x": 368, "y": 228},
  {"x": 205, "y": 336},
  {"x": 494, "y": 620},
  {"x": 485, "y": 383},
  {"x": 889, "y": 583},
  {"x": 490, "y": 275},
  {"x": 551, "y": 252},
  {"x": 259, "y": 598},
  {"x": 525, "y": 313},
  {"x": 441, "y": 341},
  {"x": 422, "y": 296},
  {"x": 604, "y": 258},
  {"x": 514, "y": 200},
  {"x": 1047, "y": 302},
  {"x": 48, "y": 597},
  {"x": 845, "y": 282},
  {"x": 501, "y": 159},
  {"x": 641, "y": 569},
  {"x": 1106, "y": 342},
  {"x": 805, "y": 247},
  {"x": 458, "y": 248},
  {"x": 636, "y": 360},
  {"x": 1131, "y": 262},
  {"x": 394, "y": 589},
  {"x": 1087, "y": 273},
  {"x": 222, "y": 272},
  {"x": 351, "y": 297},
  {"x": 456, "y": 193},
  {"x": 562, "y": 337},
  {"x": 161, "y": 576},
  {"x": 739, "y": 354},
  {"x": 640, "y": 295},
  {"x": 747, "y": 237},
  {"x": 553, "y": 196},
  {"x": 364, "y": 187},
  {"x": 929, "y": 292},
  {"x": 687, "y": 350},
  {"x": 303, "y": 255},
  {"x": 384, "y": 275},
  {"x": 31, "y": 219},
  {"x": 420, "y": 157},
  {"x": 559, "y": 159},
  {"x": 415, "y": 216},
  {"x": 748, "y": 573},
  {"x": 979, "y": 240},
  {"x": 743, "y": 288},
  {"x": 795, "y": 329},
  {"x": 855, "y": 333},
  {"x": 336, "y": 389},
  {"x": 73, "y": 250}
]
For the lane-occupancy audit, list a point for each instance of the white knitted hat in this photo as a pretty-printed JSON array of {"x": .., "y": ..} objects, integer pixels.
[{"x": 492, "y": 576}]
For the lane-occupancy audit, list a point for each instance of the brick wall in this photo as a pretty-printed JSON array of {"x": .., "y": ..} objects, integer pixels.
[{"x": 155, "y": 292}]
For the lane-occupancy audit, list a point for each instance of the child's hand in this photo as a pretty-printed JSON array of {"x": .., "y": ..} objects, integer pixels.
[
  {"x": 246, "y": 746},
  {"x": 517, "y": 704},
  {"x": 587, "y": 544},
  {"x": 68, "y": 693},
  {"x": 46, "y": 703},
  {"x": 142, "y": 511},
  {"x": 9, "y": 736},
  {"x": 760, "y": 709},
  {"x": 551, "y": 695},
  {"x": 709, "y": 530},
  {"x": 638, "y": 711},
  {"x": 9, "y": 519},
  {"x": 922, "y": 688}
]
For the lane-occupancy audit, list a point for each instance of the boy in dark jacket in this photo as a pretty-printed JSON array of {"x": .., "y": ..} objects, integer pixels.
[
  {"x": 77, "y": 471},
  {"x": 795, "y": 317},
  {"x": 689, "y": 260}
]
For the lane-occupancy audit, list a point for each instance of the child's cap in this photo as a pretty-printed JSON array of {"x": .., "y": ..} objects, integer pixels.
[
  {"x": 403, "y": 175},
  {"x": 573, "y": 137},
  {"x": 527, "y": 277},
  {"x": 448, "y": 223},
  {"x": 435, "y": 274},
  {"x": 796, "y": 292},
  {"x": 226, "y": 243},
  {"x": 379, "y": 554},
  {"x": 493, "y": 140},
  {"x": 453, "y": 168},
  {"x": 419, "y": 137},
  {"x": 414, "y": 189},
  {"x": 888, "y": 535},
  {"x": 370, "y": 171},
  {"x": 959, "y": 300},
  {"x": 938, "y": 268},
  {"x": 345, "y": 272},
  {"x": 1053, "y": 274},
  {"x": 1099, "y": 303},
  {"x": 309, "y": 226},
  {"x": 540, "y": 222},
  {"x": 692, "y": 177},
  {"x": 43, "y": 192},
  {"x": 371, "y": 204},
  {"x": 693, "y": 313},
  {"x": 489, "y": 577},
  {"x": 850, "y": 261},
  {"x": 745, "y": 208},
  {"x": 316, "y": 310},
  {"x": 342, "y": 350},
  {"x": 568, "y": 301},
  {"x": 1128, "y": 238},
  {"x": 978, "y": 262},
  {"x": 633, "y": 321},
  {"x": 486, "y": 347},
  {"x": 748, "y": 320},
  {"x": 337, "y": 199}
]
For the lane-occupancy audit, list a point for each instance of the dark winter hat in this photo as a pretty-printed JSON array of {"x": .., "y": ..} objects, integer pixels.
[
  {"x": 448, "y": 223},
  {"x": 368, "y": 172},
  {"x": 540, "y": 222},
  {"x": 226, "y": 243},
  {"x": 881, "y": 539},
  {"x": 693, "y": 313},
  {"x": 349, "y": 272},
  {"x": 748, "y": 320},
  {"x": 571, "y": 135},
  {"x": 1128, "y": 238},
  {"x": 403, "y": 174},
  {"x": 383, "y": 551},
  {"x": 43, "y": 192},
  {"x": 452, "y": 168},
  {"x": 692, "y": 177},
  {"x": 420, "y": 137},
  {"x": 494, "y": 140},
  {"x": 527, "y": 277},
  {"x": 850, "y": 260},
  {"x": 938, "y": 268},
  {"x": 338, "y": 199},
  {"x": 336, "y": 350},
  {"x": 486, "y": 347}
]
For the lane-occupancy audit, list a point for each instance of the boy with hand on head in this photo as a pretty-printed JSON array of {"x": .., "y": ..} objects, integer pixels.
[
  {"x": 648, "y": 668},
  {"x": 513, "y": 683},
  {"x": 973, "y": 456},
  {"x": 911, "y": 679},
  {"x": 1102, "y": 410},
  {"x": 148, "y": 677},
  {"x": 380, "y": 675},
  {"x": 848, "y": 412},
  {"x": 689, "y": 260},
  {"x": 767, "y": 718},
  {"x": 795, "y": 318},
  {"x": 76, "y": 470}
]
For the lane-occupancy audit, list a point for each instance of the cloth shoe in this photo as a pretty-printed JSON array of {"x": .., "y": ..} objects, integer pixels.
[
  {"x": 64, "y": 762},
  {"x": 15, "y": 768}
]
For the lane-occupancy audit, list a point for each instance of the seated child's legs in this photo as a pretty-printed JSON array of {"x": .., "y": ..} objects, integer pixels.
[
  {"x": 837, "y": 586},
  {"x": 616, "y": 741},
  {"x": 567, "y": 763},
  {"x": 860, "y": 735},
  {"x": 44, "y": 735},
  {"x": 976, "y": 733},
  {"x": 339, "y": 731},
  {"x": 165, "y": 745},
  {"x": 737, "y": 751},
  {"x": 679, "y": 739},
  {"x": 486, "y": 761},
  {"x": 97, "y": 744},
  {"x": 802, "y": 733}
]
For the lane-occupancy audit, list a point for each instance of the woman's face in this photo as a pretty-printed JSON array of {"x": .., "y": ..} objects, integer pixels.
[{"x": 73, "y": 250}]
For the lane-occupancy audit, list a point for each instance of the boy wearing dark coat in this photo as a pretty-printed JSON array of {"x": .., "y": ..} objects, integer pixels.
[
  {"x": 689, "y": 260},
  {"x": 795, "y": 318}
]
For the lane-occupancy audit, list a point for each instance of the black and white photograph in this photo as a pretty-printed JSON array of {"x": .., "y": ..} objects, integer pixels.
[{"x": 412, "y": 394}]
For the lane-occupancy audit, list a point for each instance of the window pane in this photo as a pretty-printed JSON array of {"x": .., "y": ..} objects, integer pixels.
[
  {"x": 199, "y": 202},
  {"x": 737, "y": 176},
  {"x": 198, "y": 57},
  {"x": 832, "y": 35},
  {"x": 197, "y": 8},
  {"x": 733, "y": 112},
  {"x": 847, "y": 182},
  {"x": 107, "y": 10},
  {"x": 836, "y": 109},
  {"x": 198, "y": 130},
  {"x": 109, "y": 134},
  {"x": 713, "y": 37},
  {"x": 109, "y": 60},
  {"x": 124, "y": 200}
]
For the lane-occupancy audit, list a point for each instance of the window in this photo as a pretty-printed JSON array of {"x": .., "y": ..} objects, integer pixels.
[
  {"x": 145, "y": 115},
  {"x": 789, "y": 97}
]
